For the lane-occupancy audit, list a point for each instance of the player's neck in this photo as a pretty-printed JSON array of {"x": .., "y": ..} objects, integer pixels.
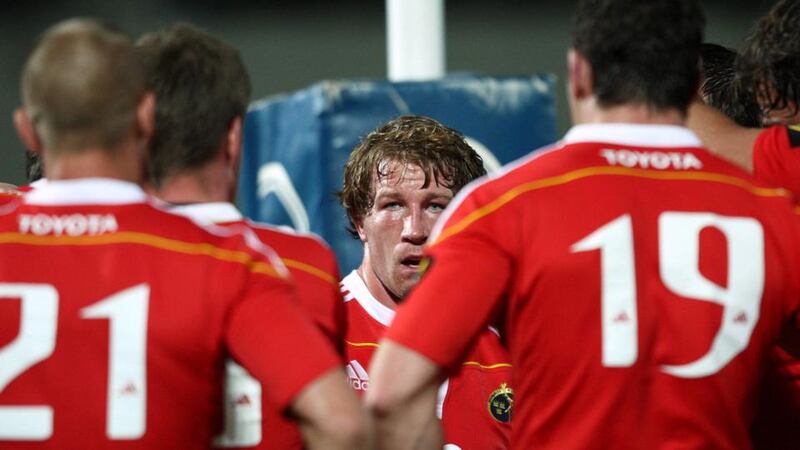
[
  {"x": 202, "y": 185},
  {"x": 376, "y": 287},
  {"x": 630, "y": 113},
  {"x": 122, "y": 164}
]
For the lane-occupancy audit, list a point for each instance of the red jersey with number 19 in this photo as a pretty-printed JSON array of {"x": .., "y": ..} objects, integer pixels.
[
  {"x": 116, "y": 318},
  {"x": 642, "y": 281}
]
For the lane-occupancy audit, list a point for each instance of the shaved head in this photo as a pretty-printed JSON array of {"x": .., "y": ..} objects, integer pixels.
[{"x": 81, "y": 86}]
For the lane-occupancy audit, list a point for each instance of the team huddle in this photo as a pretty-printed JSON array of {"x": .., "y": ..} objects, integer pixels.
[{"x": 635, "y": 285}]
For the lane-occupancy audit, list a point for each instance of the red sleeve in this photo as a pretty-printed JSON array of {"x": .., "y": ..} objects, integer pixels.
[
  {"x": 460, "y": 292},
  {"x": 270, "y": 336},
  {"x": 339, "y": 315},
  {"x": 776, "y": 158},
  {"x": 327, "y": 308}
]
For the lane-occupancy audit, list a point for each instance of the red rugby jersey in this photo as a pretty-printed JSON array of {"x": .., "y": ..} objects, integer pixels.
[
  {"x": 642, "y": 282},
  {"x": 776, "y": 157},
  {"x": 116, "y": 318},
  {"x": 474, "y": 404},
  {"x": 251, "y": 422},
  {"x": 776, "y": 160}
]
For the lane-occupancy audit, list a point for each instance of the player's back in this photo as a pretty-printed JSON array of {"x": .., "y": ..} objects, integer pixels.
[
  {"x": 648, "y": 284},
  {"x": 316, "y": 273},
  {"x": 113, "y": 321},
  {"x": 308, "y": 258},
  {"x": 251, "y": 423}
]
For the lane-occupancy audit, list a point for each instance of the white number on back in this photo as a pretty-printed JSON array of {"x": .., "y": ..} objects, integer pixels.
[
  {"x": 35, "y": 342},
  {"x": 679, "y": 254},
  {"x": 127, "y": 312}
]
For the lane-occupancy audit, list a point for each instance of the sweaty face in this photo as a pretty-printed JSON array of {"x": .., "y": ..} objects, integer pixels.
[{"x": 397, "y": 226}]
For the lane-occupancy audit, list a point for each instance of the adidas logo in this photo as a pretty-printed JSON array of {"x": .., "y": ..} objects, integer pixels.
[{"x": 357, "y": 376}]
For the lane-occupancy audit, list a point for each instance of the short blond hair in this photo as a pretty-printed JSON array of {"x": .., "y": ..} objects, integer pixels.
[{"x": 81, "y": 85}]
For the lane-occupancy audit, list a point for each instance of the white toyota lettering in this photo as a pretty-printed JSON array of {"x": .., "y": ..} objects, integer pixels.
[
  {"x": 68, "y": 224},
  {"x": 651, "y": 160}
]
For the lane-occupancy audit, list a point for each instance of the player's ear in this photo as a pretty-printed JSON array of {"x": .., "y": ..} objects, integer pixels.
[
  {"x": 26, "y": 131},
  {"x": 359, "y": 226},
  {"x": 233, "y": 142},
  {"x": 146, "y": 115},
  {"x": 580, "y": 83},
  {"x": 232, "y": 154}
]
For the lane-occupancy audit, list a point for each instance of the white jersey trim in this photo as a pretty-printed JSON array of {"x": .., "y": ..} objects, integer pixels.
[
  {"x": 634, "y": 134},
  {"x": 208, "y": 213},
  {"x": 86, "y": 191},
  {"x": 359, "y": 291},
  {"x": 38, "y": 183},
  {"x": 285, "y": 229},
  {"x": 211, "y": 213},
  {"x": 441, "y": 394}
]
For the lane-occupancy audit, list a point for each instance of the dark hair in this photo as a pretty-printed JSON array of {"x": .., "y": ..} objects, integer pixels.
[
  {"x": 769, "y": 64},
  {"x": 440, "y": 151},
  {"x": 33, "y": 166},
  {"x": 641, "y": 51},
  {"x": 81, "y": 85},
  {"x": 201, "y": 86},
  {"x": 720, "y": 89}
]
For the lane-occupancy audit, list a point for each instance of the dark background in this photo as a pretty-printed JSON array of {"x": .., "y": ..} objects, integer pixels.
[{"x": 288, "y": 45}]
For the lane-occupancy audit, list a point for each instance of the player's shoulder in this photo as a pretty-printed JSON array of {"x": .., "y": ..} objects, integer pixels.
[
  {"x": 304, "y": 242},
  {"x": 779, "y": 137},
  {"x": 536, "y": 164},
  {"x": 225, "y": 245},
  {"x": 157, "y": 218},
  {"x": 301, "y": 252}
]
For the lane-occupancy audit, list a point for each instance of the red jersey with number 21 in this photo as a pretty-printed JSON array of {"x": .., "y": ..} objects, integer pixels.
[
  {"x": 116, "y": 318},
  {"x": 642, "y": 280}
]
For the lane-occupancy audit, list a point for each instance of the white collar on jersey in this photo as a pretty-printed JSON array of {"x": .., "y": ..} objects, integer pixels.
[
  {"x": 638, "y": 135},
  {"x": 208, "y": 213},
  {"x": 83, "y": 191},
  {"x": 358, "y": 291},
  {"x": 38, "y": 183}
]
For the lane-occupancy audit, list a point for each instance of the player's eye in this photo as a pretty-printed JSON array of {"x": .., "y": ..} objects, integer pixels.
[
  {"x": 437, "y": 207},
  {"x": 391, "y": 205}
]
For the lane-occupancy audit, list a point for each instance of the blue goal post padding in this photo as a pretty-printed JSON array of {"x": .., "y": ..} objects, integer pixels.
[{"x": 296, "y": 145}]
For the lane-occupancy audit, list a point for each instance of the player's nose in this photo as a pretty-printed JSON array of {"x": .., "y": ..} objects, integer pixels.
[{"x": 415, "y": 227}]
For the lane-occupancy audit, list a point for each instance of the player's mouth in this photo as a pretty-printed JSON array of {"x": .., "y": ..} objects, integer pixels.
[{"x": 411, "y": 261}]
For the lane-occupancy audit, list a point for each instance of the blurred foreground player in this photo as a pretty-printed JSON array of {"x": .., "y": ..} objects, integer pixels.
[
  {"x": 769, "y": 67},
  {"x": 641, "y": 279},
  {"x": 777, "y": 422},
  {"x": 397, "y": 182},
  {"x": 115, "y": 316},
  {"x": 202, "y": 90}
]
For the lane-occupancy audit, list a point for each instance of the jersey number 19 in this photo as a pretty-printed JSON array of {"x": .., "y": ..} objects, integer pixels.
[{"x": 679, "y": 255}]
